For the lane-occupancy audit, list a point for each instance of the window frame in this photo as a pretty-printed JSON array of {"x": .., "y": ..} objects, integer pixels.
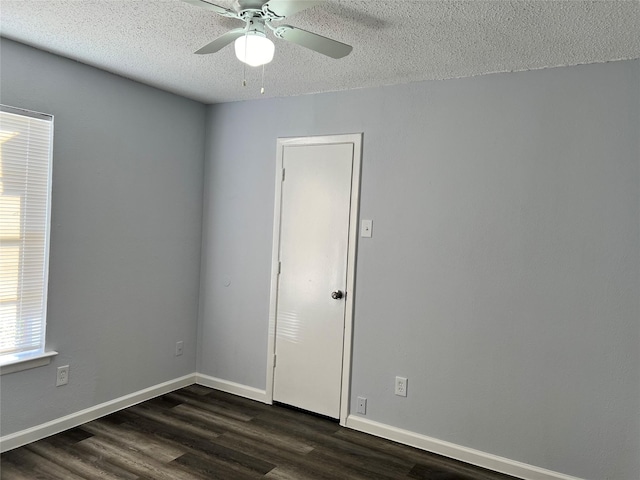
[{"x": 14, "y": 362}]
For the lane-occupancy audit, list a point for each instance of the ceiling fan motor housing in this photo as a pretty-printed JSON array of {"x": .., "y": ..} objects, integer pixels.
[
  {"x": 255, "y": 26},
  {"x": 242, "y": 5}
]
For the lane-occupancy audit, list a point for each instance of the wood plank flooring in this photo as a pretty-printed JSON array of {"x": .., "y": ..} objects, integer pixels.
[{"x": 199, "y": 433}]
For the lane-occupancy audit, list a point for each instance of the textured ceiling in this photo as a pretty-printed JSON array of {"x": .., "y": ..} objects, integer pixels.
[{"x": 152, "y": 41}]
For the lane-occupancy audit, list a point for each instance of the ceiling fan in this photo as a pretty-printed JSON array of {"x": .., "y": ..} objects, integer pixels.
[{"x": 251, "y": 43}]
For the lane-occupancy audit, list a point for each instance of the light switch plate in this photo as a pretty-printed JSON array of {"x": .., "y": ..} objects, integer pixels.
[{"x": 366, "y": 228}]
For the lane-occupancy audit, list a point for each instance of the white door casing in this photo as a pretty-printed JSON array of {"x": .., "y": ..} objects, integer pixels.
[{"x": 315, "y": 234}]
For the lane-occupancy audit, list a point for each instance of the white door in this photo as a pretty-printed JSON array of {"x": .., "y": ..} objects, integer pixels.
[{"x": 314, "y": 241}]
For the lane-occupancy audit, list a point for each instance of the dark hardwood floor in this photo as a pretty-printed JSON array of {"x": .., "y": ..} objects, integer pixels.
[{"x": 199, "y": 433}]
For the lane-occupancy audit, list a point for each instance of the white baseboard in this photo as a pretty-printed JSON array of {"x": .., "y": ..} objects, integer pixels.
[
  {"x": 458, "y": 452},
  {"x": 406, "y": 437},
  {"x": 232, "y": 387},
  {"x": 15, "y": 440}
]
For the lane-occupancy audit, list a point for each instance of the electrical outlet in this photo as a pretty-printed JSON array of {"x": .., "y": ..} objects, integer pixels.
[
  {"x": 362, "y": 405},
  {"x": 62, "y": 376},
  {"x": 179, "y": 348},
  {"x": 401, "y": 386}
]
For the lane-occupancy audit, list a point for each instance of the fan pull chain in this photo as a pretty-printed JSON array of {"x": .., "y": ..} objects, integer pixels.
[
  {"x": 244, "y": 65},
  {"x": 262, "y": 87}
]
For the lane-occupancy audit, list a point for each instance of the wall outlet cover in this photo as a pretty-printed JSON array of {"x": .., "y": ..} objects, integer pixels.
[
  {"x": 362, "y": 405},
  {"x": 401, "y": 386},
  {"x": 62, "y": 376}
]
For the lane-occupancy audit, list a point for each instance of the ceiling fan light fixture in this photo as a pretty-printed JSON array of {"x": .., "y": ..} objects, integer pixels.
[{"x": 254, "y": 49}]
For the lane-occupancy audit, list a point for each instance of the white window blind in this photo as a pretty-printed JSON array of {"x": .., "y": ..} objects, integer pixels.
[{"x": 25, "y": 190}]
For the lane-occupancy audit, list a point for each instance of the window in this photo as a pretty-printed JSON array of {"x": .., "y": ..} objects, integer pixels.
[{"x": 25, "y": 191}]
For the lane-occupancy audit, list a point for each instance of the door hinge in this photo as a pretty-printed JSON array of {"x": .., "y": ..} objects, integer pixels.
[{"x": 283, "y": 170}]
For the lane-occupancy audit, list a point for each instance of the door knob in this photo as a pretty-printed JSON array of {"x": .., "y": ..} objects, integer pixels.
[{"x": 337, "y": 295}]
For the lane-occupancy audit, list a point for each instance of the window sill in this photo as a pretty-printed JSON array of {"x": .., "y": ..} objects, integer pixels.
[{"x": 25, "y": 363}]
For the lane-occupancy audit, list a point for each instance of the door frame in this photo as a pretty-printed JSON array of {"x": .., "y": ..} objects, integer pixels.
[{"x": 356, "y": 140}]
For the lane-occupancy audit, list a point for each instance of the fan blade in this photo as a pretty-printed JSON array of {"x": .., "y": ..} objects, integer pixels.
[
  {"x": 285, "y": 8},
  {"x": 225, "y": 12},
  {"x": 221, "y": 41},
  {"x": 313, "y": 41}
]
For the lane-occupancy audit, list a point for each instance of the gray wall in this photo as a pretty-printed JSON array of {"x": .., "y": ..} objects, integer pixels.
[
  {"x": 503, "y": 277},
  {"x": 126, "y": 234}
]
